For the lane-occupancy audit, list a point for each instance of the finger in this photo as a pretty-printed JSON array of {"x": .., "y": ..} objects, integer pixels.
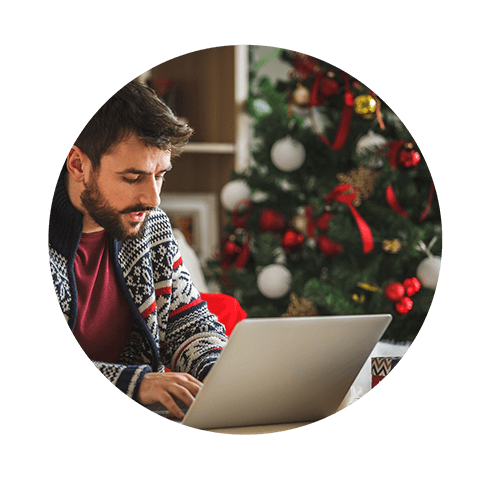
[
  {"x": 193, "y": 386},
  {"x": 196, "y": 381},
  {"x": 172, "y": 406},
  {"x": 183, "y": 395},
  {"x": 191, "y": 380},
  {"x": 187, "y": 381},
  {"x": 176, "y": 392}
]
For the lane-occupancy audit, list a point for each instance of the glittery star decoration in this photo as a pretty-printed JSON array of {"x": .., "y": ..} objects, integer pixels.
[
  {"x": 363, "y": 179},
  {"x": 300, "y": 307}
]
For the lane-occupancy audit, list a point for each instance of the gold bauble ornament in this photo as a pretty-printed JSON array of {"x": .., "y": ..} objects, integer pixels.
[
  {"x": 301, "y": 95},
  {"x": 365, "y": 106}
]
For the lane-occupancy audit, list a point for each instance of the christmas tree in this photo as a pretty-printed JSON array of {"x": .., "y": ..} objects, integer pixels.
[{"x": 337, "y": 212}]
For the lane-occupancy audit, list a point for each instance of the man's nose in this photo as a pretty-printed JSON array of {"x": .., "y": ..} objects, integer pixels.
[{"x": 150, "y": 194}]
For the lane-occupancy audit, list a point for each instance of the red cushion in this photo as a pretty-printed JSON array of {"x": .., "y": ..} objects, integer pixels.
[{"x": 226, "y": 308}]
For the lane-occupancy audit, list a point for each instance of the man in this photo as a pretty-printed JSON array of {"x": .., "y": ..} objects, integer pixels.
[{"x": 115, "y": 263}]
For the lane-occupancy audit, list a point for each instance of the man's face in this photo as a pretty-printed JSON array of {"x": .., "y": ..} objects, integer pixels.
[{"x": 120, "y": 193}]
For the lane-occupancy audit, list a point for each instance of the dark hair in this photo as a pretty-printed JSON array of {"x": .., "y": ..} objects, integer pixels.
[{"x": 134, "y": 109}]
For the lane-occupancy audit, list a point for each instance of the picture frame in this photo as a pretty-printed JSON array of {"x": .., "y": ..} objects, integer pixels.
[{"x": 196, "y": 216}]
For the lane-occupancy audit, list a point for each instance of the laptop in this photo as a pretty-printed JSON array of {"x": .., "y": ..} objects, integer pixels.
[{"x": 283, "y": 370}]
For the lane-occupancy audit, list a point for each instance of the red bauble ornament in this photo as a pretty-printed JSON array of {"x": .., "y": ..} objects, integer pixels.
[
  {"x": 408, "y": 158},
  {"x": 292, "y": 240},
  {"x": 271, "y": 221},
  {"x": 329, "y": 87},
  {"x": 235, "y": 251},
  {"x": 412, "y": 286},
  {"x": 231, "y": 248},
  {"x": 328, "y": 247},
  {"x": 394, "y": 291},
  {"x": 404, "y": 306}
]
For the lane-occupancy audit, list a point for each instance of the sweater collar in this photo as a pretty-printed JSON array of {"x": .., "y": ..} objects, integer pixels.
[{"x": 66, "y": 222}]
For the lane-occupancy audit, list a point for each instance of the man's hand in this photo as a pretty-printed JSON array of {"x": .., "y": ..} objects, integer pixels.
[{"x": 165, "y": 387}]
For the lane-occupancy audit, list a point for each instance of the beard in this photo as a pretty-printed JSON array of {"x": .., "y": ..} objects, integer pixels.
[{"x": 109, "y": 218}]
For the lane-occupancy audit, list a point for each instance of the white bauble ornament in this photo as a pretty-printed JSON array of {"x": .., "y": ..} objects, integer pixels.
[
  {"x": 370, "y": 141},
  {"x": 274, "y": 280},
  {"x": 287, "y": 154},
  {"x": 428, "y": 271},
  {"x": 234, "y": 192}
]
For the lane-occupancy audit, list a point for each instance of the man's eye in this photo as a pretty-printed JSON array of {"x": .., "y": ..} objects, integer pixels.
[{"x": 131, "y": 180}]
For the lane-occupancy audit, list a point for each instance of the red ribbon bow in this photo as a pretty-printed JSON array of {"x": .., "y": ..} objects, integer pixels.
[
  {"x": 346, "y": 193},
  {"x": 345, "y": 119}
]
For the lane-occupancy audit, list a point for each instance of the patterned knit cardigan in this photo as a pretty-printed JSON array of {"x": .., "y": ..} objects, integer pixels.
[{"x": 172, "y": 326}]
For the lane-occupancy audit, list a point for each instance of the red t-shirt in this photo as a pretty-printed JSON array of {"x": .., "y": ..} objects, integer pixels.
[{"x": 103, "y": 322}]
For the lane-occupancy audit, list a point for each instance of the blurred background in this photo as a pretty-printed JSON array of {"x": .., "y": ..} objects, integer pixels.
[{"x": 301, "y": 192}]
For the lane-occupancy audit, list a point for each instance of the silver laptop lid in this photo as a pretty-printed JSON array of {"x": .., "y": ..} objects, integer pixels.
[{"x": 281, "y": 370}]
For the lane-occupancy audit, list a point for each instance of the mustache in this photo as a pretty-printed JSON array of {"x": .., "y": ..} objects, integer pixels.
[{"x": 138, "y": 208}]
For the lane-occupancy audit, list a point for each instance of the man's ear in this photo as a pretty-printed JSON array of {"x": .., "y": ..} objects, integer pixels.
[{"x": 76, "y": 163}]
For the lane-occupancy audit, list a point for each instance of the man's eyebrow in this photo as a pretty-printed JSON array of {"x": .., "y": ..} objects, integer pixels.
[{"x": 136, "y": 171}]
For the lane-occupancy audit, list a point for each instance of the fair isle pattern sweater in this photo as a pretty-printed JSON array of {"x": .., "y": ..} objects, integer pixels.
[{"x": 172, "y": 326}]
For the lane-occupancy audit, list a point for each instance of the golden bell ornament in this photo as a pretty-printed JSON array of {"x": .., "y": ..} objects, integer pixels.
[{"x": 365, "y": 106}]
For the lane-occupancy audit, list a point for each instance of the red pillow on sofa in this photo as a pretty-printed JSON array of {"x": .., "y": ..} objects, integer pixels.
[{"x": 226, "y": 308}]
